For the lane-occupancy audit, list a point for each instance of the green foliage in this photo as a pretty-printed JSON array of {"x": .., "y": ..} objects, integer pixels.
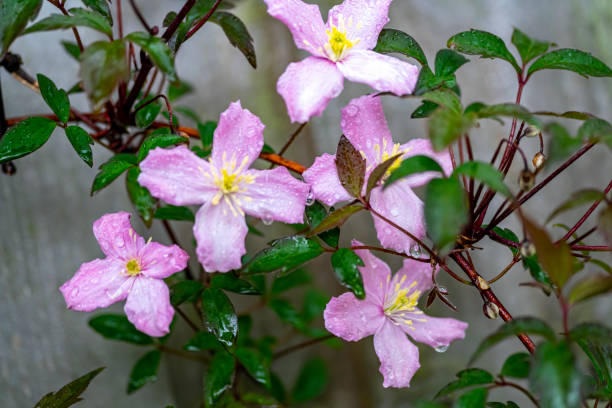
[
  {"x": 25, "y": 137},
  {"x": 218, "y": 377},
  {"x": 595, "y": 341},
  {"x": 101, "y": 7},
  {"x": 577, "y": 199},
  {"x": 311, "y": 381},
  {"x": 117, "y": 327},
  {"x": 413, "y": 165},
  {"x": 292, "y": 280},
  {"x": 57, "y": 99},
  {"x": 144, "y": 371},
  {"x": 605, "y": 224},
  {"x": 159, "y": 138},
  {"x": 185, "y": 291},
  {"x": 467, "y": 378},
  {"x": 255, "y": 364},
  {"x": 446, "y": 211},
  {"x": 508, "y": 234},
  {"x": 345, "y": 264},
  {"x": 219, "y": 315},
  {"x": 175, "y": 213},
  {"x": 284, "y": 254},
  {"x": 527, "y": 47},
  {"x": 335, "y": 219},
  {"x": 203, "y": 341},
  {"x": 232, "y": 283},
  {"x": 378, "y": 174},
  {"x": 444, "y": 97},
  {"x": 112, "y": 169},
  {"x": 351, "y": 167},
  {"x": 390, "y": 40},
  {"x": 103, "y": 66},
  {"x": 78, "y": 17},
  {"x": 517, "y": 365},
  {"x": 237, "y": 34},
  {"x": 69, "y": 394},
  {"x": 72, "y": 49},
  {"x": 178, "y": 89},
  {"x": 158, "y": 51},
  {"x": 141, "y": 198},
  {"x": 485, "y": 173},
  {"x": 487, "y": 45},
  {"x": 503, "y": 109},
  {"x": 81, "y": 142},
  {"x": 14, "y": 15},
  {"x": 447, "y": 125},
  {"x": 561, "y": 144},
  {"x": 570, "y": 59},
  {"x": 146, "y": 114},
  {"x": 475, "y": 398},
  {"x": 590, "y": 286}
]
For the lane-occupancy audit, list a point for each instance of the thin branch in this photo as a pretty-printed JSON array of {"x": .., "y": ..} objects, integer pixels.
[
  {"x": 142, "y": 19},
  {"x": 506, "y": 270},
  {"x": 174, "y": 240},
  {"x": 300, "y": 346},
  {"x": 390, "y": 251},
  {"x": 504, "y": 383},
  {"x": 203, "y": 20},
  {"x": 600, "y": 248},
  {"x": 292, "y": 139},
  {"x": 187, "y": 319}
]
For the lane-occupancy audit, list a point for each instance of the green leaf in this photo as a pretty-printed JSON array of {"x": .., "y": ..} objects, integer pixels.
[
  {"x": 185, "y": 291},
  {"x": 424, "y": 110},
  {"x": 531, "y": 263},
  {"x": 351, "y": 167},
  {"x": 605, "y": 224},
  {"x": 255, "y": 364},
  {"x": 446, "y": 211},
  {"x": 413, "y": 165},
  {"x": 517, "y": 366},
  {"x": 467, "y": 378},
  {"x": 427, "y": 81},
  {"x": 219, "y": 315},
  {"x": 336, "y": 219},
  {"x": 141, "y": 198},
  {"x": 569, "y": 114},
  {"x": 590, "y": 286},
  {"x": 504, "y": 109},
  {"x": 218, "y": 377},
  {"x": 554, "y": 377},
  {"x": 287, "y": 313},
  {"x": 284, "y": 254},
  {"x": 144, "y": 371},
  {"x": 592, "y": 332},
  {"x": 176, "y": 90},
  {"x": 283, "y": 283},
  {"x": 561, "y": 144},
  {"x": 14, "y": 15},
  {"x": 78, "y": 18},
  {"x": 146, "y": 115},
  {"x": 345, "y": 264},
  {"x": 314, "y": 304},
  {"x": 311, "y": 381},
  {"x": 203, "y": 341},
  {"x": 577, "y": 199},
  {"x": 485, "y": 173},
  {"x": 448, "y": 61},
  {"x": 101, "y": 7},
  {"x": 117, "y": 327},
  {"x": 472, "y": 399},
  {"x": 232, "y": 283},
  {"x": 103, "y": 66},
  {"x": 72, "y": 49},
  {"x": 390, "y": 40},
  {"x": 487, "y": 45},
  {"x": 158, "y": 51},
  {"x": 446, "y": 126},
  {"x": 109, "y": 171},
  {"x": 57, "y": 99},
  {"x": 25, "y": 137},
  {"x": 379, "y": 172},
  {"x": 444, "y": 97},
  {"x": 508, "y": 234},
  {"x": 525, "y": 325},
  {"x": 81, "y": 142},
  {"x": 570, "y": 59},
  {"x": 595, "y": 130},
  {"x": 527, "y": 47},
  {"x": 258, "y": 399},
  {"x": 175, "y": 213},
  {"x": 160, "y": 138},
  {"x": 237, "y": 34},
  {"x": 207, "y": 132},
  {"x": 69, "y": 394}
]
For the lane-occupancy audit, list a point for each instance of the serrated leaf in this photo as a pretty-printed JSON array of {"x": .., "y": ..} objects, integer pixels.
[
  {"x": 185, "y": 291},
  {"x": 345, "y": 264},
  {"x": 335, "y": 219},
  {"x": 101, "y": 7},
  {"x": 284, "y": 254},
  {"x": 577, "y": 199},
  {"x": 175, "y": 213},
  {"x": 255, "y": 364},
  {"x": 467, "y": 378},
  {"x": 158, "y": 51},
  {"x": 446, "y": 126},
  {"x": 444, "y": 97},
  {"x": 447, "y": 62},
  {"x": 103, "y": 65},
  {"x": 146, "y": 115},
  {"x": 69, "y": 394},
  {"x": 118, "y": 327},
  {"x": 570, "y": 59},
  {"x": 219, "y": 315},
  {"x": 230, "y": 282},
  {"x": 527, "y": 47},
  {"x": 144, "y": 371},
  {"x": 57, "y": 99},
  {"x": 203, "y": 341},
  {"x": 72, "y": 49},
  {"x": 517, "y": 366},
  {"x": 590, "y": 286},
  {"x": 569, "y": 114},
  {"x": 237, "y": 34},
  {"x": 485, "y": 44},
  {"x": 109, "y": 171},
  {"x": 25, "y": 137},
  {"x": 78, "y": 17},
  {"x": 413, "y": 165},
  {"x": 14, "y": 15},
  {"x": 351, "y": 167},
  {"x": 311, "y": 381},
  {"x": 160, "y": 138},
  {"x": 526, "y": 325},
  {"x": 141, "y": 198},
  {"x": 218, "y": 377},
  {"x": 81, "y": 141},
  {"x": 484, "y": 173},
  {"x": 446, "y": 211},
  {"x": 390, "y": 40},
  {"x": 504, "y": 109}
]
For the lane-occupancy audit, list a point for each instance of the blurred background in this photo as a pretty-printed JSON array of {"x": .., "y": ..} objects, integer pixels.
[{"x": 46, "y": 212}]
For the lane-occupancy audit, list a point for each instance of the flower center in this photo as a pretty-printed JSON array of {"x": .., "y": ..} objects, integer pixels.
[
  {"x": 338, "y": 44},
  {"x": 383, "y": 154},
  {"x": 402, "y": 300},
  {"x": 230, "y": 180},
  {"x": 132, "y": 267}
]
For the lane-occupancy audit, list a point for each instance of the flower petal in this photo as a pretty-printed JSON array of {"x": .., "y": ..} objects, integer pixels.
[
  {"x": 160, "y": 261},
  {"x": 364, "y": 20},
  {"x": 375, "y": 274},
  {"x": 399, "y": 204},
  {"x": 434, "y": 331},
  {"x": 364, "y": 124},
  {"x": 415, "y": 271},
  {"x": 220, "y": 232},
  {"x": 352, "y": 319},
  {"x": 275, "y": 195},
  {"x": 381, "y": 72},
  {"x": 399, "y": 358},
  {"x": 323, "y": 179},
  {"x": 177, "y": 176},
  {"x": 148, "y": 306},
  {"x": 423, "y": 147},
  {"x": 239, "y": 136},
  {"x": 303, "y": 20},
  {"x": 116, "y": 236},
  {"x": 98, "y": 283},
  {"x": 308, "y": 86}
]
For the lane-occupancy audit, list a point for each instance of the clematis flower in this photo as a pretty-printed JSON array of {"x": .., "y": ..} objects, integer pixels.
[
  {"x": 133, "y": 269},
  {"x": 226, "y": 187},
  {"x": 389, "y": 312},
  {"x": 340, "y": 49},
  {"x": 364, "y": 124}
]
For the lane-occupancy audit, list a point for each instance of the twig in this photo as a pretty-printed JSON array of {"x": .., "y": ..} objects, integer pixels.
[
  {"x": 187, "y": 319},
  {"x": 142, "y": 19},
  {"x": 203, "y": 20},
  {"x": 300, "y": 346},
  {"x": 586, "y": 215}
]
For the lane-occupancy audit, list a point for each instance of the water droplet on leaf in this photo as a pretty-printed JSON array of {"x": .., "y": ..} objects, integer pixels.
[
  {"x": 415, "y": 250},
  {"x": 441, "y": 349}
]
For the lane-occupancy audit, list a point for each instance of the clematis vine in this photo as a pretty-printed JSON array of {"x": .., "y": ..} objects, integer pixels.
[
  {"x": 389, "y": 312},
  {"x": 340, "y": 49},
  {"x": 226, "y": 186},
  {"x": 133, "y": 269},
  {"x": 364, "y": 124}
]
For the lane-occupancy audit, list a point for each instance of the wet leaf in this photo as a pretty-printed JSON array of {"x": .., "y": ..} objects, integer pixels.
[
  {"x": 144, "y": 371},
  {"x": 118, "y": 327},
  {"x": 25, "y": 137},
  {"x": 69, "y": 394},
  {"x": 390, "y": 40},
  {"x": 219, "y": 315}
]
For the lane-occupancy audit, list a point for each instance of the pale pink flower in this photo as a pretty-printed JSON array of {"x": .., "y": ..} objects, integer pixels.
[
  {"x": 226, "y": 186},
  {"x": 389, "y": 312},
  {"x": 133, "y": 269},
  {"x": 340, "y": 49},
  {"x": 364, "y": 124}
]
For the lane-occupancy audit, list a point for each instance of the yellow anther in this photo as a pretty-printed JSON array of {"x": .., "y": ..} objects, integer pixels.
[
  {"x": 132, "y": 267},
  {"x": 230, "y": 180},
  {"x": 338, "y": 43},
  {"x": 401, "y": 301}
]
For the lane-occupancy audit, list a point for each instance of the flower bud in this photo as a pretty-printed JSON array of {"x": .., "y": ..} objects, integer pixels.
[
  {"x": 527, "y": 249},
  {"x": 526, "y": 179},
  {"x": 490, "y": 310},
  {"x": 531, "y": 131},
  {"x": 538, "y": 160}
]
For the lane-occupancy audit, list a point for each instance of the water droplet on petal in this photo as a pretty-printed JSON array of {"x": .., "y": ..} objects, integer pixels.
[
  {"x": 74, "y": 293},
  {"x": 415, "y": 251},
  {"x": 395, "y": 211},
  {"x": 310, "y": 198},
  {"x": 441, "y": 349},
  {"x": 267, "y": 221},
  {"x": 352, "y": 110},
  {"x": 95, "y": 281},
  {"x": 119, "y": 242}
]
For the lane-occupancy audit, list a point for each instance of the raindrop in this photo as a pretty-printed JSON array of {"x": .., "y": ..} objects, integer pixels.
[
  {"x": 395, "y": 211},
  {"x": 95, "y": 280},
  {"x": 352, "y": 110},
  {"x": 119, "y": 242},
  {"x": 74, "y": 292},
  {"x": 267, "y": 221},
  {"x": 415, "y": 250},
  {"x": 441, "y": 349},
  {"x": 310, "y": 198}
]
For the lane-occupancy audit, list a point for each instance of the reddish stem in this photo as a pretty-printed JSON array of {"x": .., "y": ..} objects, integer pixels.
[{"x": 586, "y": 215}]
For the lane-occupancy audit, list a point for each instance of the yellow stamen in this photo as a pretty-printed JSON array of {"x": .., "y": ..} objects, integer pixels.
[
  {"x": 230, "y": 180},
  {"x": 132, "y": 267},
  {"x": 401, "y": 301},
  {"x": 338, "y": 43}
]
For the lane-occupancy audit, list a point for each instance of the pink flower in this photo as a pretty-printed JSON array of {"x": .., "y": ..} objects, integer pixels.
[
  {"x": 364, "y": 124},
  {"x": 132, "y": 269},
  {"x": 226, "y": 186},
  {"x": 340, "y": 49},
  {"x": 389, "y": 312}
]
